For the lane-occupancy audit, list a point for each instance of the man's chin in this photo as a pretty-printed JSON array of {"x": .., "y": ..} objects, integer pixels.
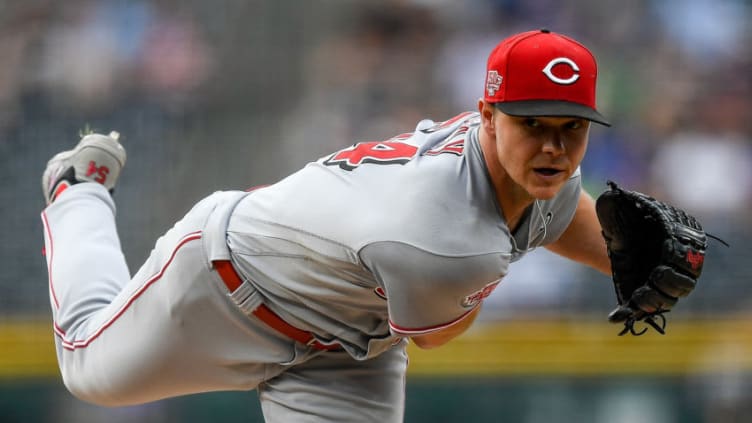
[{"x": 544, "y": 193}]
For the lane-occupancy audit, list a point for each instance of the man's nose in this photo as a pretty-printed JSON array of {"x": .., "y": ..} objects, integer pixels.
[{"x": 553, "y": 143}]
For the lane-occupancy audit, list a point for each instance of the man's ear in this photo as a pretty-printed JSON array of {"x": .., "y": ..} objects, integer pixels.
[{"x": 486, "y": 115}]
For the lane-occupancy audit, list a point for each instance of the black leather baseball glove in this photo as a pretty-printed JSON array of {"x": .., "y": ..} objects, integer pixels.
[{"x": 657, "y": 253}]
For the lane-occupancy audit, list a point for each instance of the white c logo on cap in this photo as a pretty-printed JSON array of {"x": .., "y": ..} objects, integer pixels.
[{"x": 556, "y": 79}]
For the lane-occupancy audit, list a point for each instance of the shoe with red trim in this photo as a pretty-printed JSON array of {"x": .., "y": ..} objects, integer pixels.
[{"x": 97, "y": 158}]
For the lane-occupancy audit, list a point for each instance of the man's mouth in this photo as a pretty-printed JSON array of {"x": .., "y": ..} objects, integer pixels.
[{"x": 546, "y": 171}]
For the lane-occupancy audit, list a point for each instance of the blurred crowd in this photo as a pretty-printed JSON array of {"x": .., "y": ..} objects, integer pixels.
[{"x": 231, "y": 94}]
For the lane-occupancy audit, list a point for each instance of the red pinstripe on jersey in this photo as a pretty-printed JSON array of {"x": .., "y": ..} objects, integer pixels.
[{"x": 403, "y": 331}]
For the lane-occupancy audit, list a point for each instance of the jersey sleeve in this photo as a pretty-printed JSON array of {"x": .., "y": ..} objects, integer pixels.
[{"x": 427, "y": 292}]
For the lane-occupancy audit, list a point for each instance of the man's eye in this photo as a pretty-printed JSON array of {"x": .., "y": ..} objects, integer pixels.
[
  {"x": 532, "y": 123},
  {"x": 575, "y": 124}
]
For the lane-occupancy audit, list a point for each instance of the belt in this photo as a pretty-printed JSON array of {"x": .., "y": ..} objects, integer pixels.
[{"x": 265, "y": 314}]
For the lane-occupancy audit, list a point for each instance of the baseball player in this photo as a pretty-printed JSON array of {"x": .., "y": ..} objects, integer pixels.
[{"x": 308, "y": 290}]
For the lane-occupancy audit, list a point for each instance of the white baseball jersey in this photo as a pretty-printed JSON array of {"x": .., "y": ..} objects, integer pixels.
[{"x": 387, "y": 238}]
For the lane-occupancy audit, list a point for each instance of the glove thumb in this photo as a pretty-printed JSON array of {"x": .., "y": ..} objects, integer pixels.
[{"x": 620, "y": 314}]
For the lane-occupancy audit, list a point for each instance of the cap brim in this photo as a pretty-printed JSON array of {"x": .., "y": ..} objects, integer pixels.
[{"x": 552, "y": 108}]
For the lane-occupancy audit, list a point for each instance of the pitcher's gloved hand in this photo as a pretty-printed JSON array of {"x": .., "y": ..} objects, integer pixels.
[{"x": 657, "y": 253}]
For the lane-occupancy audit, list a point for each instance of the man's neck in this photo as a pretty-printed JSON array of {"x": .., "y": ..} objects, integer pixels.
[{"x": 512, "y": 198}]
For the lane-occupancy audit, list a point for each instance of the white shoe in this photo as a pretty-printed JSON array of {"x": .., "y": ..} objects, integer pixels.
[{"x": 97, "y": 158}]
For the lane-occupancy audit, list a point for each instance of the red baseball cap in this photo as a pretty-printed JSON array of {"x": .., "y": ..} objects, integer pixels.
[{"x": 540, "y": 73}]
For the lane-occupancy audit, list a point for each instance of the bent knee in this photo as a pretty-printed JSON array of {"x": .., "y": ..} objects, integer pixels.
[{"x": 100, "y": 390}]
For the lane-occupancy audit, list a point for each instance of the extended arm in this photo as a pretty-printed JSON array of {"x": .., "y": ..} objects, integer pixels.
[{"x": 582, "y": 240}]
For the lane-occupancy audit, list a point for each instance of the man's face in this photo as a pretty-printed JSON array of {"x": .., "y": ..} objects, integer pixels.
[{"x": 540, "y": 153}]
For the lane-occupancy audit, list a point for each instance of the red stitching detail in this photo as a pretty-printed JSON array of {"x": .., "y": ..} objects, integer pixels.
[{"x": 427, "y": 329}]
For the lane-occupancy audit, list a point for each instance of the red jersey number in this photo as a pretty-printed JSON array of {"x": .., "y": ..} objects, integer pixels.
[
  {"x": 379, "y": 152},
  {"x": 394, "y": 151}
]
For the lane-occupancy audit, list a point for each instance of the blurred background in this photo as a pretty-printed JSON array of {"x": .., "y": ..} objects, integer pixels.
[{"x": 230, "y": 94}]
